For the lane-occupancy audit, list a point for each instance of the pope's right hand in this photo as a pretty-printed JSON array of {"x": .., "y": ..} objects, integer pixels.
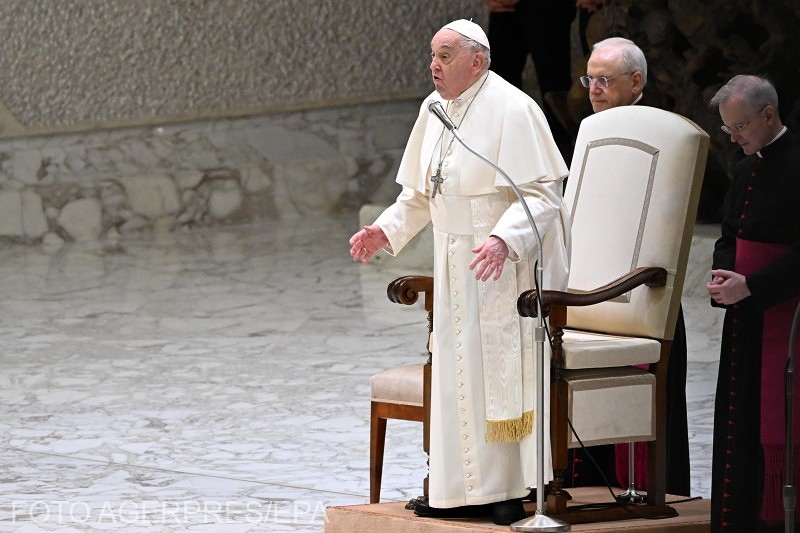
[{"x": 366, "y": 243}]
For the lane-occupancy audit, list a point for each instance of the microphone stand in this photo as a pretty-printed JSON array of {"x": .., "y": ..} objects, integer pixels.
[
  {"x": 789, "y": 492},
  {"x": 539, "y": 521}
]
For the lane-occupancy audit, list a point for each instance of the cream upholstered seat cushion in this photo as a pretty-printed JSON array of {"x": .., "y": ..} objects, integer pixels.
[
  {"x": 584, "y": 349},
  {"x": 401, "y": 385}
]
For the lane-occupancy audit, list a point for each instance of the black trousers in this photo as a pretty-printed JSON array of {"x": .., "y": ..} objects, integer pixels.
[{"x": 540, "y": 30}]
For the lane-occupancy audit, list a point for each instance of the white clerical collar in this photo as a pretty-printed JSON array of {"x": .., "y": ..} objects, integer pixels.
[
  {"x": 473, "y": 89},
  {"x": 778, "y": 136},
  {"x": 637, "y": 99}
]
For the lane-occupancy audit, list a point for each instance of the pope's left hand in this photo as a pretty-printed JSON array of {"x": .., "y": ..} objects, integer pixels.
[{"x": 489, "y": 259}]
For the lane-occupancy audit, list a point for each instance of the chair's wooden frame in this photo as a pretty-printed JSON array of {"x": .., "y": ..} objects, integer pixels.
[
  {"x": 403, "y": 290},
  {"x": 555, "y": 305},
  {"x": 406, "y": 290}
]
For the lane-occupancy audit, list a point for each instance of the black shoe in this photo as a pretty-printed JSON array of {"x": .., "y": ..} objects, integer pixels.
[
  {"x": 413, "y": 502},
  {"x": 507, "y": 512},
  {"x": 466, "y": 511}
]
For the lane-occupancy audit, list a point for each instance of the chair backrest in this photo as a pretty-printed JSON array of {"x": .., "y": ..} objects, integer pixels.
[{"x": 633, "y": 191}]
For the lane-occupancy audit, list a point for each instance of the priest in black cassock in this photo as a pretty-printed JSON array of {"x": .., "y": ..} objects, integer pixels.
[{"x": 756, "y": 278}]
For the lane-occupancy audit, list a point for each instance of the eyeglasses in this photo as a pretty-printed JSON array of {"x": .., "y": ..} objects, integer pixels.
[
  {"x": 738, "y": 128},
  {"x": 602, "y": 81}
]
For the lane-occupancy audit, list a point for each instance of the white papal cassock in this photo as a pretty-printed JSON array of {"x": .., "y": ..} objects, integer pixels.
[{"x": 484, "y": 383}]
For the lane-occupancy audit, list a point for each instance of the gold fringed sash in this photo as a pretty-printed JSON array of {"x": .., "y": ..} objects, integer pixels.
[
  {"x": 508, "y": 370},
  {"x": 511, "y": 430}
]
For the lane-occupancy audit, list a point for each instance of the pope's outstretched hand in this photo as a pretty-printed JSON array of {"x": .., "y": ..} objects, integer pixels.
[{"x": 366, "y": 243}]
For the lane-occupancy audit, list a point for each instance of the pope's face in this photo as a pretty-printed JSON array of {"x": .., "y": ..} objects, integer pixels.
[
  {"x": 453, "y": 67},
  {"x": 623, "y": 87}
]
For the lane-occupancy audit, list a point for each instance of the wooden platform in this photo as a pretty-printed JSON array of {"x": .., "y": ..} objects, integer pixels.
[{"x": 693, "y": 517}]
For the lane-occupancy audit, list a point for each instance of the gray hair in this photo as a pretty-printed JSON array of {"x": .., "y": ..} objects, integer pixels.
[
  {"x": 756, "y": 92},
  {"x": 633, "y": 59},
  {"x": 475, "y": 47}
]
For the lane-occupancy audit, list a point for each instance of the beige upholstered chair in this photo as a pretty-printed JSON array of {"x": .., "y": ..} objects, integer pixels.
[
  {"x": 632, "y": 192},
  {"x": 403, "y": 392}
]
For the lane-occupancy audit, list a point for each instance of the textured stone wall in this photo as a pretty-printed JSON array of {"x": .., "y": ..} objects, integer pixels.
[
  {"x": 112, "y": 183},
  {"x": 87, "y": 64},
  {"x": 119, "y": 116}
]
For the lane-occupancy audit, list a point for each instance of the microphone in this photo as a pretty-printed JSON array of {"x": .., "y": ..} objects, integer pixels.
[{"x": 436, "y": 108}]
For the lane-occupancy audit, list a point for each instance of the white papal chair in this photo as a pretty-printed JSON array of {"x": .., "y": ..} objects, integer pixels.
[{"x": 632, "y": 191}]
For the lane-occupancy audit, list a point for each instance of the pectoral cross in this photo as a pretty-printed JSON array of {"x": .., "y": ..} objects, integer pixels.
[{"x": 437, "y": 181}]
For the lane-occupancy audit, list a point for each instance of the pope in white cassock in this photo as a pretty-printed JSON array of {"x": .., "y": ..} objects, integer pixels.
[{"x": 482, "y": 452}]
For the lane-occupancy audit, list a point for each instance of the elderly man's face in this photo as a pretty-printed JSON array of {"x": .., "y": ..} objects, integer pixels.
[
  {"x": 751, "y": 128},
  {"x": 453, "y": 67},
  {"x": 623, "y": 87}
]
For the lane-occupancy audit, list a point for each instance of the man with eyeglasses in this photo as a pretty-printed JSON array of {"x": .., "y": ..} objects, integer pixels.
[
  {"x": 616, "y": 74},
  {"x": 755, "y": 278}
]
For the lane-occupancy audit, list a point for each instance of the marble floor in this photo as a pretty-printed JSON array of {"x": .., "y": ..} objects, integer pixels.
[{"x": 216, "y": 381}]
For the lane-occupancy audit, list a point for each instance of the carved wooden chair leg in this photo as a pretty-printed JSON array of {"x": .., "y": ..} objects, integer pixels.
[{"x": 377, "y": 440}]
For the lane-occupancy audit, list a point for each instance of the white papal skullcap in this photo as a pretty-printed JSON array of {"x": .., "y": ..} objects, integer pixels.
[{"x": 467, "y": 28}]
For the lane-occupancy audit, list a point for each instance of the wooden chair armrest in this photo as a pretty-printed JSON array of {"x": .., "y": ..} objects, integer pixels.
[
  {"x": 649, "y": 276},
  {"x": 406, "y": 289}
]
